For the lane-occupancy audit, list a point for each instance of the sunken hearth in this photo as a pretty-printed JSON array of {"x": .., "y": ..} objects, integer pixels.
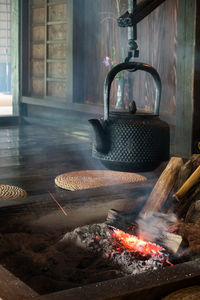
[
  {"x": 53, "y": 260},
  {"x": 109, "y": 252}
]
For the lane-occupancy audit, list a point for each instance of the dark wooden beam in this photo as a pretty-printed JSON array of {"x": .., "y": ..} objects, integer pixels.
[
  {"x": 78, "y": 50},
  {"x": 70, "y": 47},
  {"x": 149, "y": 285},
  {"x": 187, "y": 90},
  {"x": 58, "y": 103},
  {"x": 144, "y": 8},
  {"x": 196, "y": 123},
  {"x": 9, "y": 120},
  {"x": 12, "y": 287}
]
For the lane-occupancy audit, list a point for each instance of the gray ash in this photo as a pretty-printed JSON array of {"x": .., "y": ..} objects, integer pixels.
[{"x": 99, "y": 239}]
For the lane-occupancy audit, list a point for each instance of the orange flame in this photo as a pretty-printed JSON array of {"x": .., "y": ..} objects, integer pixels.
[{"x": 132, "y": 243}]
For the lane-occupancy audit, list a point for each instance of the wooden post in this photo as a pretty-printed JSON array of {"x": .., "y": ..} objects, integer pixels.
[
  {"x": 70, "y": 47},
  {"x": 15, "y": 56},
  {"x": 186, "y": 95},
  {"x": 196, "y": 123}
]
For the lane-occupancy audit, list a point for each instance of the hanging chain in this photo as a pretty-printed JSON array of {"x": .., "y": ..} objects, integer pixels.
[{"x": 126, "y": 20}]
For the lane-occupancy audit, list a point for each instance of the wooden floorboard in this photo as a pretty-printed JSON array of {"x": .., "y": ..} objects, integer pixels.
[{"x": 32, "y": 156}]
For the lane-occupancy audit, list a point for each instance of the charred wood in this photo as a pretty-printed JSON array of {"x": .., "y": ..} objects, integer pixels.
[
  {"x": 190, "y": 233},
  {"x": 122, "y": 221},
  {"x": 193, "y": 214},
  {"x": 153, "y": 228}
]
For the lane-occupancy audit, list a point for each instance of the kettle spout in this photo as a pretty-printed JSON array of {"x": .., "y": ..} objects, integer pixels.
[{"x": 101, "y": 139}]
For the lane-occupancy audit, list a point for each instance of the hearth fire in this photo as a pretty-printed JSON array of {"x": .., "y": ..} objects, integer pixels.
[
  {"x": 126, "y": 242},
  {"x": 127, "y": 253},
  {"x": 145, "y": 235}
]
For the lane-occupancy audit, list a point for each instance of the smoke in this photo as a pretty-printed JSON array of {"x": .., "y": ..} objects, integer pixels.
[{"x": 152, "y": 227}]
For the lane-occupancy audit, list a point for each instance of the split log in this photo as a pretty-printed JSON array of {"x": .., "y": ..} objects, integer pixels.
[
  {"x": 190, "y": 233},
  {"x": 190, "y": 182},
  {"x": 189, "y": 192},
  {"x": 163, "y": 187},
  {"x": 186, "y": 201},
  {"x": 187, "y": 169}
]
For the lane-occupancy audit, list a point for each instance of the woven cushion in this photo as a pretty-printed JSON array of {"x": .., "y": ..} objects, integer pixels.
[
  {"x": 81, "y": 180},
  {"x": 190, "y": 293},
  {"x": 11, "y": 192}
]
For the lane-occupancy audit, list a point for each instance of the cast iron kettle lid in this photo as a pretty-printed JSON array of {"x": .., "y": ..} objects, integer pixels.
[{"x": 131, "y": 114}]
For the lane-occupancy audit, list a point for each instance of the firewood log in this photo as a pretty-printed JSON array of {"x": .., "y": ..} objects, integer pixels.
[
  {"x": 163, "y": 187},
  {"x": 186, "y": 170},
  {"x": 186, "y": 201},
  {"x": 190, "y": 182},
  {"x": 191, "y": 233},
  {"x": 193, "y": 213}
]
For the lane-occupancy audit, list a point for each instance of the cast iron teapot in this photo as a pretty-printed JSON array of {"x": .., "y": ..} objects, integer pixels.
[{"x": 130, "y": 141}]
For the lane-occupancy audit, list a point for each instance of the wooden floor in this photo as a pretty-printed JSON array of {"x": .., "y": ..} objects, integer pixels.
[{"x": 32, "y": 156}]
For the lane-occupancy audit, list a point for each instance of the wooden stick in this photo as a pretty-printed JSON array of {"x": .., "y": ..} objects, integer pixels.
[
  {"x": 62, "y": 209},
  {"x": 163, "y": 186},
  {"x": 190, "y": 182}
]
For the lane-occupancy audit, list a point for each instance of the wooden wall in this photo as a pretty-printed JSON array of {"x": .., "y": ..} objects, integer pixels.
[
  {"x": 60, "y": 78},
  {"x": 95, "y": 36},
  {"x": 50, "y": 58},
  {"x": 157, "y": 35}
]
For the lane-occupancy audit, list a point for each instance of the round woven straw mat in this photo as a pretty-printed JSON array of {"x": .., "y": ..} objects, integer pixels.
[
  {"x": 11, "y": 192},
  {"x": 87, "y": 179},
  {"x": 190, "y": 293}
]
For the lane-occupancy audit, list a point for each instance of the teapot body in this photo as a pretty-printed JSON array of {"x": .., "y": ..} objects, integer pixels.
[
  {"x": 130, "y": 141},
  {"x": 135, "y": 144}
]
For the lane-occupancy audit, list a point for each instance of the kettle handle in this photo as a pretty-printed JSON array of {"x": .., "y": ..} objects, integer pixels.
[{"x": 132, "y": 66}]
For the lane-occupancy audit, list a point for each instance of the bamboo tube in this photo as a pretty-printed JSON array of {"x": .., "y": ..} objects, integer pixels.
[{"x": 190, "y": 182}]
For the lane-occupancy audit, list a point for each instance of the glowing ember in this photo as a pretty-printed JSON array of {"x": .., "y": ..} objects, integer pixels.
[
  {"x": 126, "y": 253},
  {"x": 133, "y": 243}
]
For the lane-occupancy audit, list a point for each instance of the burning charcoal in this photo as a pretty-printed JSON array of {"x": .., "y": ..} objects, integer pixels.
[
  {"x": 121, "y": 220},
  {"x": 103, "y": 240}
]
